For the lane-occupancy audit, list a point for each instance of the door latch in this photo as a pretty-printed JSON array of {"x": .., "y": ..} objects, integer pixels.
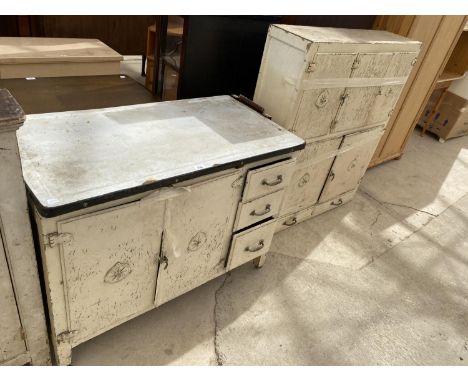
[{"x": 55, "y": 238}]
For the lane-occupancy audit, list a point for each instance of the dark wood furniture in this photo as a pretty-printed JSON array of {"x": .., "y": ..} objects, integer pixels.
[{"x": 47, "y": 95}]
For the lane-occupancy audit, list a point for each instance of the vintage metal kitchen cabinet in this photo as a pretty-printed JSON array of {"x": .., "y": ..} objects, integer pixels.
[
  {"x": 137, "y": 205},
  {"x": 335, "y": 88},
  {"x": 23, "y": 334}
]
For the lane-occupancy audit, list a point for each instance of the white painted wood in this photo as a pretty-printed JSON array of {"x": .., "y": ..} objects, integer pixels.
[
  {"x": 313, "y": 166},
  {"x": 349, "y": 166},
  {"x": 197, "y": 234},
  {"x": 341, "y": 82},
  {"x": 259, "y": 209},
  {"x": 11, "y": 341},
  {"x": 267, "y": 179},
  {"x": 110, "y": 265},
  {"x": 114, "y": 149},
  {"x": 17, "y": 246},
  {"x": 251, "y": 244}
]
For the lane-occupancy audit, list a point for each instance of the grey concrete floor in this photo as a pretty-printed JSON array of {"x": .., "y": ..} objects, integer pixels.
[{"x": 379, "y": 281}]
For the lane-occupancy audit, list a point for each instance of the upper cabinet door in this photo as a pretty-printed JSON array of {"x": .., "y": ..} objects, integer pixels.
[
  {"x": 319, "y": 103},
  {"x": 110, "y": 263},
  {"x": 11, "y": 340},
  {"x": 350, "y": 165},
  {"x": 197, "y": 234}
]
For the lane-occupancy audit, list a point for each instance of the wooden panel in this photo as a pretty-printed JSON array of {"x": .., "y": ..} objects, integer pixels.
[
  {"x": 458, "y": 62},
  {"x": 11, "y": 341},
  {"x": 198, "y": 227},
  {"x": 438, "y": 34},
  {"x": 110, "y": 265}
]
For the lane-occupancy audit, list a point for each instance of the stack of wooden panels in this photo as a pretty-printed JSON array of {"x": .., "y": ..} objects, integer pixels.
[
  {"x": 22, "y": 57},
  {"x": 335, "y": 88}
]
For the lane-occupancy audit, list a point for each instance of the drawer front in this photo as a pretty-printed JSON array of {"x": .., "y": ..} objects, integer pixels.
[
  {"x": 268, "y": 179},
  {"x": 258, "y": 209},
  {"x": 251, "y": 244},
  {"x": 294, "y": 218},
  {"x": 338, "y": 201}
]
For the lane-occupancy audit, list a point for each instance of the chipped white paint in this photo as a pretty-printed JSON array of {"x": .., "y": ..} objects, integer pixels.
[
  {"x": 337, "y": 82},
  {"x": 267, "y": 179},
  {"x": 23, "y": 335},
  {"x": 349, "y": 167},
  {"x": 197, "y": 235},
  {"x": 251, "y": 244},
  {"x": 110, "y": 262}
]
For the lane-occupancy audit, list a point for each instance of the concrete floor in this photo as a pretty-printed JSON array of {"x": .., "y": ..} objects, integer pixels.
[{"x": 379, "y": 281}]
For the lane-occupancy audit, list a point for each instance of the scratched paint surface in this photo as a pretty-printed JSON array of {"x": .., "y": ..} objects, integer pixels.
[
  {"x": 349, "y": 167},
  {"x": 197, "y": 234},
  {"x": 111, "y": 264},
  {"x": 11, "y": 343}
]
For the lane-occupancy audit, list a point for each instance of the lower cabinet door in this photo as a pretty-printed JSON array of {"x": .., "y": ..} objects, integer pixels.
[
  {"x": 349, "y": 166},
  {"x": 11, "y": 340},
  {"x": 109, "y": 265},
  {"x": 312, "y": 167},
  {"x": 198, "y": 229}
]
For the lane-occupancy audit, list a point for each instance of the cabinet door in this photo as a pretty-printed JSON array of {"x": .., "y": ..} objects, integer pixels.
[
  {"x": 312, "y": 167},
  {"x": 318, "y": 106},
  {"x": 11, "y": 341},
  {"x": 110, "y": 261},
  {"x": 349, "y": 166},
  {"x": 197, "y": 234}
]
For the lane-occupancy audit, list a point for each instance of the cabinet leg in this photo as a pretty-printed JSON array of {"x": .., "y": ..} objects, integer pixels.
[
  {"x": 63, "y": 353},
  {"x": 259, "y": 261}
]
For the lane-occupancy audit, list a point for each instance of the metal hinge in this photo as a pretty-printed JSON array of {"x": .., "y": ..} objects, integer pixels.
[
  {"x": 55, "y": 238},
  {"x": 356, "y": 63},
  {"x": 66, "y": 335},
  {"x": 311, "y": 67}
]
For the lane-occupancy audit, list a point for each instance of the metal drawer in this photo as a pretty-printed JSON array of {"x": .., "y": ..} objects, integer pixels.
[
  {"x": 291, "y": 220},
  {"x": 267, "y": 179},
  {"x": 259, "y": 209},
  {"x": 338, "y": 201},
  {"x": 250, "y": 244}
]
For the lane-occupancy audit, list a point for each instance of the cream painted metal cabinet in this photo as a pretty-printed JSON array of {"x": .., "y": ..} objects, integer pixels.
[
  {"x": 335, "y": 88},
  {"x": 137, "y": 205}
]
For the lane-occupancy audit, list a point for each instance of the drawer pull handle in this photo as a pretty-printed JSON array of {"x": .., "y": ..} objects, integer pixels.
[
  {"x": 279, "y": 180},
  {"x": 290, "y": 221},
  {"x": 265, "y": 211},
  {"x": 164, "y": 260},
  {"x": 337, "y": 203},
  {"x": 257, "y": 248}
]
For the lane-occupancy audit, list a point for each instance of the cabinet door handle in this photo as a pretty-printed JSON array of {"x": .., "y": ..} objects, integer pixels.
[
  {"x": 337, "y": 203},
  {"x": 291, "y": 221},
  {"x": 279, "y": 179},
  {"x": 265, "y": 211},
  {"x": 258, "y": 247},
  {"x": 331, "y": 176},
  {"x": 164, "y": 260}
]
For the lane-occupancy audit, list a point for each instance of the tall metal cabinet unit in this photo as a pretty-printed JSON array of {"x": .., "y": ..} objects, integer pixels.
[
  {"x": 335, "y": 88},
  {"x": 137, "y": 205},
  {"x": 23, "y": 334}
]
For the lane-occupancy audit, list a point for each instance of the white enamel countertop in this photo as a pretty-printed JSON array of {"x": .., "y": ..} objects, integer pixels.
[{"x": 73, "y": 156}]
